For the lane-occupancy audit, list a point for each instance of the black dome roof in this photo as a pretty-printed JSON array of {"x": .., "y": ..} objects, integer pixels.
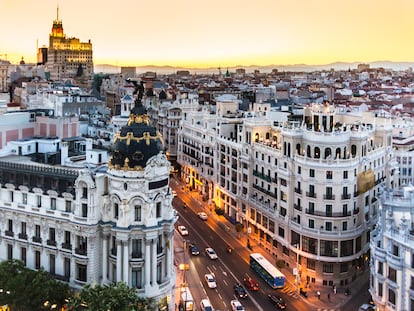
[{"x": 136, "y": 142}]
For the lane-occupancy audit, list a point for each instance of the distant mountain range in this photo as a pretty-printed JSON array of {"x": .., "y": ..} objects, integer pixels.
[{"x": 104, "y": 68}]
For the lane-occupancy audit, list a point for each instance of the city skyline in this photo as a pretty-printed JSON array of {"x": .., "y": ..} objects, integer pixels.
[{"x": 222, "y": 34}]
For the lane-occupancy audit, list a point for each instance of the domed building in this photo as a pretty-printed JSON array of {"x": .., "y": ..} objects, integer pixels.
[{"x": 105, "y": 221}]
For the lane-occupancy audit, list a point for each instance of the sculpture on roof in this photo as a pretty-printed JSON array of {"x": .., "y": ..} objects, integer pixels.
[{"x": 139, "y": 88}]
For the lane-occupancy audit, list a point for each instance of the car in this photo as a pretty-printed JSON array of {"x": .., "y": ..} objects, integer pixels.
[
  {"x": 239, "y": 291},
  {"x": 193, "y": 249},
  {"x": 236, "y": 305},
  {"x": 174, "y": 193},
  {"x": 277, "y": 301},
  {"x": 205, "y": 305},
  {"x": 202, "y": 215},
  {"x": 367, "y": 307},
  {"x": 211, "y": 253},
  {"x": 250, "y": 283},
  {"x": 211, "y": 280},
  {"x": 183, "y": 230}
]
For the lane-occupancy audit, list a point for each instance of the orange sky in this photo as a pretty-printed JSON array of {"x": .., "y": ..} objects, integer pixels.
[{"x": 198, "y": 33}]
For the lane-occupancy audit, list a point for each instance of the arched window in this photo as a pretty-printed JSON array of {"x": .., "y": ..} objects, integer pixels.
[
  {"x": 338, "y": 153},
  {"x": 328, "y": 152},
  {"x": 298, "y": 149},
  {"x": 317, "y": 153},
  {"x": 353, "y": 150}
]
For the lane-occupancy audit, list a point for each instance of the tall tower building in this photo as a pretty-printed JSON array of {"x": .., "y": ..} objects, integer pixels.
[{"x": 68, "y": 57}]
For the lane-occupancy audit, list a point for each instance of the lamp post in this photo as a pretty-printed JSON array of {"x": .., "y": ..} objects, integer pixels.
[{"x": 297, "y": 267}]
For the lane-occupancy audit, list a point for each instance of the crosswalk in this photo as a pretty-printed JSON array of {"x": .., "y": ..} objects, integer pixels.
[{"x": 290, "y": 291}]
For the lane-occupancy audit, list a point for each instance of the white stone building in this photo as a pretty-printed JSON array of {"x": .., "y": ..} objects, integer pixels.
[
  {"x": 392, "y": 252},
  {"x": 100, "y": 222},
  {"x": 308, "y": 189}
]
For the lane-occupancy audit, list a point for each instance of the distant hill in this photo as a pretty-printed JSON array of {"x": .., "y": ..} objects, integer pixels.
[{"x": 106, "y": 68}]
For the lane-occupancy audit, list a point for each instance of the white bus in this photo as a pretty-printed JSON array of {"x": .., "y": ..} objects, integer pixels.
[{"x": 186, "y": 300}]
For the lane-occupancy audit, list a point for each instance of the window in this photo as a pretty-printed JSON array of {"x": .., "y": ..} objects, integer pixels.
[
  {"x": 39, "y": 200},
  {"x": 391, "y": 296},
  {"x": 345, "y": 175},
  {"x": 380, "y": 289},
  {"x": 136, "y": 248},
  {"x": 116, "y": 210},
  {"x": 311, "y": 223},
  {"x": 10, "y": 225},
  {"x": 158, "y": 211},
  {"x": 328, "y": 226},
  {"x": 347, "y": 248},
  {"x": 395, "y": 250},
  {"x": 9, "y": 251},
  {"x": 343, "y": 267},
  {"x": 67, "y": 268},
  {"x": 329, "y": 248},
  {"x": 37, "y": 259},
  {"x": 52, "y": 203},
  {"x": 138, "y": 212},
  {"x": 81, "y": 272},
  {"x": 344, "y": 226},
  {"x": 311, "y": 172},
  {"x": 380, "y": 268},
  {"x": 37, "y": 231},
  {"x": 159, "y": 244},
  {"x": 310, "y": 264},
  {"x": 329, "y": 174},
  {"x": 281, "y": 232},
  {"x": 392, "y": 274},
  {"x": 84, "y": 210},
  {"x": 327, "y": 268},
  {"x": 23, "y": 255},
  {"x": 23, "y": 228},
  {"x": 84, "y": 193},
  {"x": 159, "y": 279},
  {"x": 52, "y": 264},
  {"x": 136, "y": 277},
  {"x": 68, "y": 206},
  {"x": 24, "y": 198}
]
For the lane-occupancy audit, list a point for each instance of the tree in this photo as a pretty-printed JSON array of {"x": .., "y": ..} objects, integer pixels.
[
  {"x": 26, "y": 289},
  {"x": 113, "y": 297}
]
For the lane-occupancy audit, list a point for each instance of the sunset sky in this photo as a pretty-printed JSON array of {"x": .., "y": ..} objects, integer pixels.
[{"x": 198, "y": 33}]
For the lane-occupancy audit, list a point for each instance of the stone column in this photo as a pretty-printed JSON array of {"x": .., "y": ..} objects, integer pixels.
[
  {"x": 147, "y": 264},
  {"x": 105, "y": 258},
  {"x": 125, "y": 265},
  {"x": 153, "y": 262},
  {"x": 118, "y": 261}
]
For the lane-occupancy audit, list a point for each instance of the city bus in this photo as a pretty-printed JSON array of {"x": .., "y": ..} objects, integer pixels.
[
  {"x": 186, "y": 300},
  {"x": 267, "y": 271}
]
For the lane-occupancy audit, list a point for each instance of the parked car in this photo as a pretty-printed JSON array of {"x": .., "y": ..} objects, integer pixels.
[
  {"x": 183, "y": 230},
  {"x": 202, "y": 215},
  {"x": 277, "y": 301},
  {"x": 240, "y": 291},
  {"x": 193, "y": 249},
  {"x": 250, "y": 283},
  {"x": 211, "y": 280},
  {"x": 211, "y": 253},
  {"x": 236, "y": 305}
]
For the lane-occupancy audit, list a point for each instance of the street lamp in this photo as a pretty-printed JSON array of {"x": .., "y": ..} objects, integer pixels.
[{"x": 296, "y": 272}]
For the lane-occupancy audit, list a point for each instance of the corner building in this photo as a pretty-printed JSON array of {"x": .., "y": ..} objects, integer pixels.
[
  {"x": 99, "y": 224},
  {"x": 307, "y": 191}
]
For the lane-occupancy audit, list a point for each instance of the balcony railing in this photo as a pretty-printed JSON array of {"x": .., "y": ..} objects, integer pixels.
[
  {"x": 311, "y": 194},
  {"x": 67, "y": 246},
  {"x": 51, "y": 242},
  {"x": 9, "y": 233},
  {"x": 298, "y": 190},
  {"x": 346, "y": 196},
  {"x": 80, "y": 251},
  {"x": 23, "y": 236},
  {"x": 37, "y": 239},
  {"x": 329, "y": 197},
  {"x": 297, "y": 207}
]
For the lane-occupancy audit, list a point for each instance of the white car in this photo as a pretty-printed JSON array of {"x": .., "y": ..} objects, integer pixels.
[
  {"x": 182, "y": 230},
  {"x": 211, "y": 280},
  {"x": 205, "y": 305},
  {"x": 211, "y": 253},
  {"x": 202, "y": 215},
  {"x": 236, "y": 305}
]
